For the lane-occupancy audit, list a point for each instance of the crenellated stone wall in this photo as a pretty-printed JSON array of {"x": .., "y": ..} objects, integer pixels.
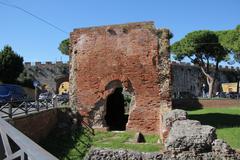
[
  {"x": 48, "y": 73},
  {"x": 186, "y": 78},
  {"x": 133, "y": 56}
]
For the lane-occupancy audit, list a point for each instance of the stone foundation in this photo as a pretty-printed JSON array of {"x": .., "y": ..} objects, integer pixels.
[
  {"x": 97, "y": 153},
  {"x": 132, "y": 56}
]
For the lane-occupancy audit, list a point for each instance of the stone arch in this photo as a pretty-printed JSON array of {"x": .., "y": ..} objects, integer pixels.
[
  {"x": 59, "y": 81},
  {"x": 115, "y": 117},
  {"x": 63, "y": 88},
  {"x": 106, "y": 88},
  {"x": 99, "y": 113}
]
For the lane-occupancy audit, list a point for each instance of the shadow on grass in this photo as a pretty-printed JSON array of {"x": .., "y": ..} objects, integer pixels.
[
  {"x": 186, "y": 104},
  {"x": 68, "y": 140},
  {"x": 70, "y": 145},
  {"x": 217, "y": 120}
]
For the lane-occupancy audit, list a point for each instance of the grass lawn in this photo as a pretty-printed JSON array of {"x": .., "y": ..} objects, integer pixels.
[
  {"x": 125, "y": 140},
  {"x": 226, "y": 120},
  {"x": 75, "y": 145}
]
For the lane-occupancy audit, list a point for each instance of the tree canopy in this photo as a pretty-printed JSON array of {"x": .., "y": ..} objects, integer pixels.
[
  {"x": 201, "y": 47},
  {"x": 11, "y": 65},
  {"x": 230, "y": 39},
  {"x": 64, "y": 46}
]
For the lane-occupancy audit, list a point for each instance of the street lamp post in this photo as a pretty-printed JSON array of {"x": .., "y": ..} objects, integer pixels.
[{"x": 36, "y": 84}]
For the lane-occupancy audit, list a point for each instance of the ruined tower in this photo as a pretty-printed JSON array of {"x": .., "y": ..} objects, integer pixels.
[{"x": 106, "y": 61}]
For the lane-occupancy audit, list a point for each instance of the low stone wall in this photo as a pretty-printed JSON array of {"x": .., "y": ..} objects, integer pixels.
[
  {"x": 98, "y": 154},
  {"x": 38, "y": 125},
  {"x": 204, "y": 103}
]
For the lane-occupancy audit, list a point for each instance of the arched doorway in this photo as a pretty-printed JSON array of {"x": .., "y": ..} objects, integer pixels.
[
  {"x": 62, "y": 84},
  {"x": 115, "y": 113},
  {"x": 63, "y": 88}
]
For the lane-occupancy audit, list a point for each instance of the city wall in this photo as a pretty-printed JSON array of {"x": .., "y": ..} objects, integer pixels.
[{"x": 186, "y": 78}]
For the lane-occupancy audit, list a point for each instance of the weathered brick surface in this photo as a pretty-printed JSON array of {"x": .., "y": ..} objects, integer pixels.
[
  {"x": 134, "y": 55},
  {"x": 36, "y": 126}
]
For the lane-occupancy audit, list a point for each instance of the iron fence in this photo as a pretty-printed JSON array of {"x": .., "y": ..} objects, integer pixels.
[{"x": 16, "y": 108}]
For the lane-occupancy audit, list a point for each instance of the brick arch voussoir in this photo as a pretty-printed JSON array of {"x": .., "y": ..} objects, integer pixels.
[{"x": 103, "y": 93}]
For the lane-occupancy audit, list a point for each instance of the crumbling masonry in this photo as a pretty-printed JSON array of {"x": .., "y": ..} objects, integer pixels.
[{"x": 134, "y": 57}]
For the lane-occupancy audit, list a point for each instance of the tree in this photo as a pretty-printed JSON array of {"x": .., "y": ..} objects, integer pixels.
[
  {"x": 201, "y": 47},
  {"x": 64, "y": 46},
  {"x": 230, "y": 39},
  {"x": 11, "y": 65}
]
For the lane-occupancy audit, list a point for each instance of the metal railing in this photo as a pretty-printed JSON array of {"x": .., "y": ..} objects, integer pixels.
[
  {"x": 15, "y": 145},
  {"x": 17, "y": 108}
]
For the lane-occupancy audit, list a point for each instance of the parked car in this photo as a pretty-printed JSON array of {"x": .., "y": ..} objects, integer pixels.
[
  {"x": 64, "y": 97},
  {"x": 221, "y": 94},
  {"x": 11, "y": 92},
  {"x": 45, "y": 96},
  {"x": 232, "y": 95}
]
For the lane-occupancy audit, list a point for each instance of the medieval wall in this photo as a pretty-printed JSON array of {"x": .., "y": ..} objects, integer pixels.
[
  {"x": 46, "y": 73},
  {"x": 187, "y": 78},
  {"x": 134, "y": 56}
]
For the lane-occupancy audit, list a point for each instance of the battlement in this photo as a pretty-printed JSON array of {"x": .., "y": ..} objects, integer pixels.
[
  {"x": 221, "y": 68},
  {"x": 47, "y": 63},
  {"x": 50, "y": 63}
]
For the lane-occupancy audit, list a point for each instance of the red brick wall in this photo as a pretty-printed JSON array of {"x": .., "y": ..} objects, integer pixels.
[
  {"x": 128, "y": 53},
  {"x": 36, "y": 126}
]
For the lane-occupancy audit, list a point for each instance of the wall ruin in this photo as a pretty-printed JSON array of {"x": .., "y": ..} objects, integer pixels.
[{"x": 132, "y": 56}]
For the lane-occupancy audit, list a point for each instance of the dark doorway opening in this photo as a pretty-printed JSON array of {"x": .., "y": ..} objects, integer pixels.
[{"x": 115, "y": 116}]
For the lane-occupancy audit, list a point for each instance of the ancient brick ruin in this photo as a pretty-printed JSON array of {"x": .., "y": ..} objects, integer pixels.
[{"x": 106, "y": 60}]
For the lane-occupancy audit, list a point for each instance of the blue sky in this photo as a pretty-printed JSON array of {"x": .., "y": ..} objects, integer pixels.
[{"x": 36, "y": 41}]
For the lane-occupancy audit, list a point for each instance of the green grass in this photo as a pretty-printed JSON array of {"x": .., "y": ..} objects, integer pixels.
[
  {"x": 225, "y": 120},
  {"x": 74, "y": 145},
  {"x": 125, "y": 140}
]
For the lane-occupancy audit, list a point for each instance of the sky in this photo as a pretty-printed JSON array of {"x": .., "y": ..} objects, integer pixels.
[{"x": 37, "y": 41}]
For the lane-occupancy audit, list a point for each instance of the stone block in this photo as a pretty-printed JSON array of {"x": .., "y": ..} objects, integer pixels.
[{"x": 190, "y": 135}]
